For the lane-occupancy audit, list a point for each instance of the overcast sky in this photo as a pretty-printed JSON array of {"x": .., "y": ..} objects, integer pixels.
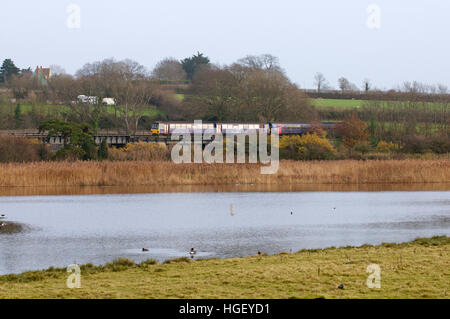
[{"x": 333, "y": 37}]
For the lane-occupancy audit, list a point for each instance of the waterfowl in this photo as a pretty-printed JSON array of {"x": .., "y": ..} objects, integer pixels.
[
  {"x": 144, "y": 249},
  {"x": 192, "y": 252}
]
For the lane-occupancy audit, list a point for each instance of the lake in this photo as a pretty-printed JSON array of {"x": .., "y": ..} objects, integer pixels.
[{"x": 67, "y": 229}]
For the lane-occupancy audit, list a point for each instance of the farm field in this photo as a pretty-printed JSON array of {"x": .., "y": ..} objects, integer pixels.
[
  {"x": 349, "y": 104},
  {"x": 419, "y": 269},
  {"x": 337, "y": 103}
]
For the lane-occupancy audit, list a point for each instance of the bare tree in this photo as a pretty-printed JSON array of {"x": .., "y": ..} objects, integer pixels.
[
  {"x": 319, "y": 81},
  {"x": 126, "y": 81},
  {"x": 266, "y": 62},
  {"x": 169, "y": 69},
  {"x": 346, "y": 85},
  {"x": 57, "y": 69},
  {"x": 240, "y": 93}
]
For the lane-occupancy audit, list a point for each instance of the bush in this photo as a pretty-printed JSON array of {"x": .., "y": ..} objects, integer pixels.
[
  {"x": 363, "y": 147},
  {"x": 306, "y": 147},
  {"x": 415, "y": 144},
  {"x": 18, "y": 149},
  {"x": 440, "y": 144},
  {"x": 387, "y": 147}
]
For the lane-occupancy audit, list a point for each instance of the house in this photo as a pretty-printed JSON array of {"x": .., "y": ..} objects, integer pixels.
[{"x": 42, "y": 74}]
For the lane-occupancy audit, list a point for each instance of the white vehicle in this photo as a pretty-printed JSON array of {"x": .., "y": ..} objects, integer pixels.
[
  {"x": 108, "y": 101},
  {"x": 87, "y": 99}
]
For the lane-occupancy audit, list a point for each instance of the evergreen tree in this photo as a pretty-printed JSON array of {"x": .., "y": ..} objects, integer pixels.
[
  {"x": 103, "y": 150},
  {"x": 192, "y": 64},
  {"x": 7, "y": 69},
  {"x": 18, "y": 115}
]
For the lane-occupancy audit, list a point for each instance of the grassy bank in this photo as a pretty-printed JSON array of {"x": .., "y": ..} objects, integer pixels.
[
  {"x": 167, "y": 173},
  {"x": 420, "y": 269}
]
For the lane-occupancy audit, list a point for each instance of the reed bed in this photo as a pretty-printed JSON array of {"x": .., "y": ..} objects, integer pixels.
[{"x": 140, "y": 173}]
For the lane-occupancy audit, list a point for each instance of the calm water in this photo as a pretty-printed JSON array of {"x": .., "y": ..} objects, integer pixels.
[{"x": 99, "y": 228}]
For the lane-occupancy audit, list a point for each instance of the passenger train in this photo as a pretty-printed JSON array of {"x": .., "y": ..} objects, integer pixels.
[{"x": 167, "y": 128}]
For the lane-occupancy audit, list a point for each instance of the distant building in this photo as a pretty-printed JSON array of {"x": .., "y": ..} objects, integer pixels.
[{"x": 42, "y": 74}]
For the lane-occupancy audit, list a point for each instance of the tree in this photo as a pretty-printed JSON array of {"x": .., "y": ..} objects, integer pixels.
[
  {"x": 319, "y": 81},
  {"x": 8, "y": 69},
  {"x": 193, "y": 64},
  {"x": 367, "y": 85},
  {"x": 103, "y": 150},
  {"x": 18, "y": 115},
  {"x": 354, "y": 131},
  {"x": 240, "y": 93},
  {"x": 57, "y": 69},
  {"x": 78, "y": 139},
  {"x": 126, "y": 81},
  {"x": 265, "y": 62},
  {"x": 169, "y": 69},
  {"x": 344, "y": 84}
]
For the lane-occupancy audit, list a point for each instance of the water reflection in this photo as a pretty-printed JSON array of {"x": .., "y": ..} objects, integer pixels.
[{"x": 86, "y": 190}]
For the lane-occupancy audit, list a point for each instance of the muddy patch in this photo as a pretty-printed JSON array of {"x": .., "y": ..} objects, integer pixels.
[{"x": 12, "y": 228}]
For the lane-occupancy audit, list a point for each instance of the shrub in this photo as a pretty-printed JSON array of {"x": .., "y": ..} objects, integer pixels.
[
  {"x": 353, "y": 131},
  {"x": 415, "y": 144},
  {"x": 387, "y": 147},
  {"x": 440, "y": 144},
  {"x": 18, "y": 149},
  {"x": 363, "y": 147},
  {"x": 306, "y": 147}
]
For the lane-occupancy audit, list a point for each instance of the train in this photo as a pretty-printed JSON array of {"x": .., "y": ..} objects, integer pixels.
[{"x": 167, "y": 128}]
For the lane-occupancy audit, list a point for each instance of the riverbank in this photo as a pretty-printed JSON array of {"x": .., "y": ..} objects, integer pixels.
[
  {"x": 419, "y": 269},
  {"x": 142, "y": 173}
]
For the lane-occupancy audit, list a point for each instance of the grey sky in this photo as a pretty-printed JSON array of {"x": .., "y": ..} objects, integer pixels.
[{"x": 308, "y": 36}]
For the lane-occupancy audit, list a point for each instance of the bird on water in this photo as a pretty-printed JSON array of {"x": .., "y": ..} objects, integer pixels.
[{"x": 192, "y": 252}]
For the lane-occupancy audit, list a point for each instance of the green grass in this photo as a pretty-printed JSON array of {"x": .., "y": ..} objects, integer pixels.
[
  {"x": 349, "y": 104},
  {"x": 419, "y": 269},
  {"x": 337, "y": 103},
  {"x": 180, "y": 96}
]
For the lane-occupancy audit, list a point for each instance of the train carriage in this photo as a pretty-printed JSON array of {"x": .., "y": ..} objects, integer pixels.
[{"x": 167, "y": 128}]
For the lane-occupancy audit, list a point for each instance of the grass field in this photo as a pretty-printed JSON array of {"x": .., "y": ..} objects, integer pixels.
[
  {"x": 337, "y": 103},
  {"x": 420, "y": 269},
  {"x": 350, "y": 104}
]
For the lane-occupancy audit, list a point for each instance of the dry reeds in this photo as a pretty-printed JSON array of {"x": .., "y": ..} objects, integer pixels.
[{"x": 137, "y": 173}]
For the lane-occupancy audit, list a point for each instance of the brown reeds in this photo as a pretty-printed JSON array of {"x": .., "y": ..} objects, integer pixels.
[{"x": 137, "y": 173}]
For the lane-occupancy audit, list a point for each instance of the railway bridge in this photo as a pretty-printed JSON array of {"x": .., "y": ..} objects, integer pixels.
[{"x": 117, "y": 139}]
